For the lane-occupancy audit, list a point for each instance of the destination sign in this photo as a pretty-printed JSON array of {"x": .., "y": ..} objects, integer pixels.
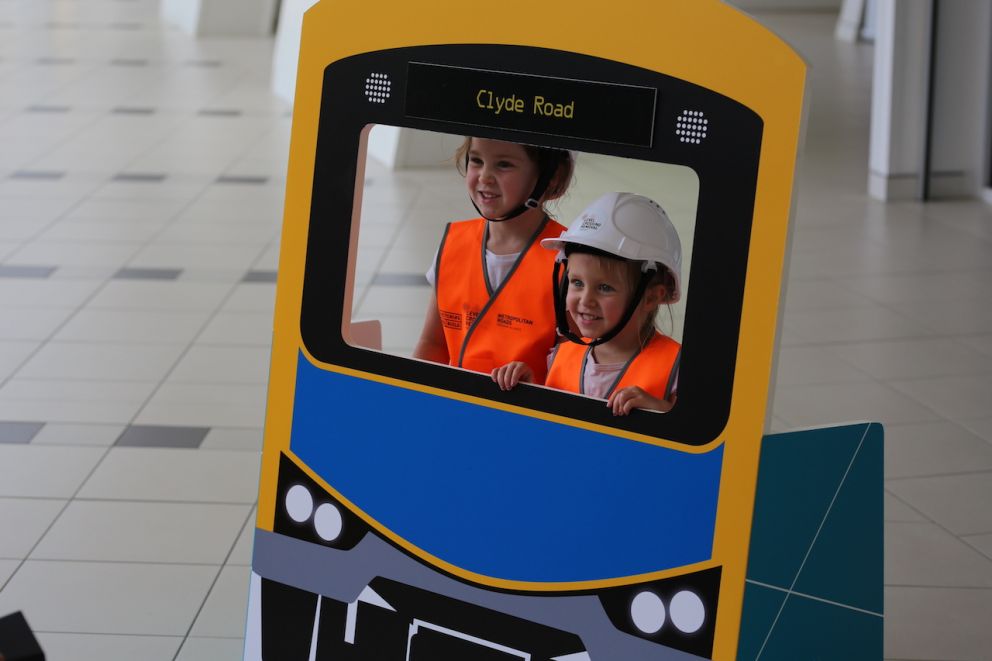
[{"x": 591, "y": 110}]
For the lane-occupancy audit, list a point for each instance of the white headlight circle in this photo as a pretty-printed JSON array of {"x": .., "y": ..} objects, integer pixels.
[
  {"x": 299, "y": 503},
  {"x": 328, "y": 522},
  {"x": 687, "y": 611},
  {"x": 647, "y": 612}
]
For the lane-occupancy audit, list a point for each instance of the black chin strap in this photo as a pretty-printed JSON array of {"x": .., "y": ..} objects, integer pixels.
[
  {"x": 533, "y": 200},
  {"x": 560, "y": 289}
]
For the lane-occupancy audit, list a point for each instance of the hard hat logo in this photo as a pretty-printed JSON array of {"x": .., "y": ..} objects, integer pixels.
[{"x": 589, "y": 223}]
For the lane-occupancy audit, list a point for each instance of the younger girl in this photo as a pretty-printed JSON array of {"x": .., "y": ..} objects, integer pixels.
[
  {"x": 490, "y": 304},
  {"x": 622, "y": 259}
]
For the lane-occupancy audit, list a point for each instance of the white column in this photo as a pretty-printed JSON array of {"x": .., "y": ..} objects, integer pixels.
[
  {"x": 286, "y": 56},
  {"x": 959, "y": 118},
  {"x": 232, "y": 18}
]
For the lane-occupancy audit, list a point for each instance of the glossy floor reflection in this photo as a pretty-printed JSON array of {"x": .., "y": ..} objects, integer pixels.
[{"x": 141, "y": 187}]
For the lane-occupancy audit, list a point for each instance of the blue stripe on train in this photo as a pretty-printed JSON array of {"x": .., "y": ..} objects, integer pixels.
[{"x": 501, "y": 494}]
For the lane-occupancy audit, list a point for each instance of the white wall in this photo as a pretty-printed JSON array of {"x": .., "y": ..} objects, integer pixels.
[
  {"x": 286, "y": 57},
  {"x": 240, "y": 18}
]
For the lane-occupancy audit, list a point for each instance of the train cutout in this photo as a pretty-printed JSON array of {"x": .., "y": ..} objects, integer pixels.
[{"x": 414, "y": 511}]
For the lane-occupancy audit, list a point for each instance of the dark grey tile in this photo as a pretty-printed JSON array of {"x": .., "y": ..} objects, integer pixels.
[
  {"x": 220, "y": 112},
  {"x": 132, "y": 110},
  {"x": 141, "y": 177},
  {"x": 14, "y": 271},
  {"x": 156, "y": 436},
  {"x": 50, "y": 109},
  {"x": 55, "y": 60},
  {"x": 61, "y": 25},
  {"x": 400, "y": 280},
  {"x": 259, "y": 276},
  {"x": 19, "y": 432},
  {"x": 50, "y": 175},
  {"x": 204, "y": 63},
  {"x": 129, "y": 62},
  {"x": 128, "y": 273},
  {"x": 239, "y": 179},
  {"x": 126, "y": 25}
]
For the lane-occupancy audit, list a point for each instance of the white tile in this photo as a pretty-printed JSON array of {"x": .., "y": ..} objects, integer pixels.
[
  {"x": 898, "y": 511},
  {"x": 206, "y": 405},
  {"x": 807, "y": 405},
  {"x": 143, "y": 532},
  {"x": 103, "y": 647},
  {"x": 26, "y": 292},
  {"x": 224, "y": 613},
  {"x": 71, "y": 597},
  {"x": 183, "y": 475},
  {"x": 241, "y": 555},
  {"x": 7, "y": 569},
  {"x": 149, "y": 295},
  {"x": 25, "y": 323},
  {"x": 75, "y": 253},
  {"x": 955, "y": 397},
  {"x": 251, "y": 297},
  {"x": 211, "y": 649},
  {"x": 195, "y": 256},
  {"x": 239, "y": 328},
  {"x": 956, "y": 502},
  {"x": 13, "y": 354},
  {"x": 934, "y": 448},
  {"x": 230, "y": 438},
  {"x": 909, "y": 359},
  {"x": 853, "y": 325},
  {"x": 32, "y": 471},
  {"x": 981, "y": 542},
  {"x": 134, "y": 326},
  {"x": 980, "y": 426},
  {"x": 205, "y": 363},
  {"x": 922, "y": 554},
  {"x": 24, "y": 521},
  {"x": 54, "y": 433},
  {"x": 937, "y": 623},
  {"x": 809, "y": 365},
  {"x": 92, "y": 361}
]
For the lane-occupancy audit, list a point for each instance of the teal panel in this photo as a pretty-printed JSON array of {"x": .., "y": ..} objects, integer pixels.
[
  {"x": 846, "y": 562},
  {"x": 761, "y": 606},
  {"x": 798, "y": 476},
  {"x": 810, "y": 630}
]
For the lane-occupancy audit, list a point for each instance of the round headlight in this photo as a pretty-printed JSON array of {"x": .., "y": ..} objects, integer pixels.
[
  {"x": 647, "y": 612},
  {"x": 687, "y": 611},
  {"x": 328, "y": 522},
  {"x": 299, "y": 503}
]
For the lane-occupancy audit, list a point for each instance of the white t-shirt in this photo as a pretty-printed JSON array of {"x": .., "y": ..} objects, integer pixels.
[{"x": 497, "y": 266}]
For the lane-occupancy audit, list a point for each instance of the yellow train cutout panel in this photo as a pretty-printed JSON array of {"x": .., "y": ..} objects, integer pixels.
[{"x": 414, "y": 510}]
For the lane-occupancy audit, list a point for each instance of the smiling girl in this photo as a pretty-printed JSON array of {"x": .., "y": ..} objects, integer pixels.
[
  {"x": 489, "y": 305},
  {"x": 621, "y": 259}
]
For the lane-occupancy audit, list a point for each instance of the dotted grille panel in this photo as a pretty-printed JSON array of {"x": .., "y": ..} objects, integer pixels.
[
  {"x": 691, "y": 126},
  {"x": 378, "y": 87}
]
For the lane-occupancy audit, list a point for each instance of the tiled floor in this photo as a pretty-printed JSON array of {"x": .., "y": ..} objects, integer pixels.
[{"x": 141, "y": 178}]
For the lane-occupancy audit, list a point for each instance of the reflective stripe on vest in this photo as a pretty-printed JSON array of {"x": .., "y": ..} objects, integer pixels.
[
  {"x": 485, "y": 329},
  {"x": 653, "y": 368}
]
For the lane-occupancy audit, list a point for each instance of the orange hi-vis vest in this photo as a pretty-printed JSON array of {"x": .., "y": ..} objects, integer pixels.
[
  {"x": 486, "y": 327},
  {"x": 654, "y": 368}
]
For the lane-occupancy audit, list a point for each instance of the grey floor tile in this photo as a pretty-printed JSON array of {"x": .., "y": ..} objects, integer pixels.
[
  {"x": 898, "y": 511},
  {"x": 223, "y": 614},
  {"x": 96, "y": 362},
  {"x": 259, "y": 276},
  {"x": 922, "y": 554},
  {"x": 158, "y": 474},
  {"x": 72, "y": 597},
  {"x": 184, "y": 533},
  {"x": 400, "y": 280},
  {"x": 912, "y": 359},
  {"x": 7, "y": 569},
  {"x": 133, "y": 326},
  {"x": 229, "y": 438},
  {"x": 955, "y": 397},
  {"x": 934, "y": 448},
  {"x": 211, "y": 649},
  {"x": 161, "y": 436},
  {"x": 937, "y": 623},
  {"x": 130, "y": 273},
  {"x": 959, "y": 503},
  {"x": 104, "y": 647},
  {"x": 980, "y": 426},
  {"x": 14, "y": 271},
  {"x": 981, "y": 542},
  {"x": 822, "y": 404},
  {"x": 34, "y": 471},
  {"x": 23, "y": 522},
  {"x": 218, "y": 364},
  {"x": 19, "y": 432},
  {"x": 241, "y": 554}
]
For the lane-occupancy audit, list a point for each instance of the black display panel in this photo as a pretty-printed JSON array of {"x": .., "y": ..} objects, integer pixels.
[
  {"x": 724, "y": 156},
  {"x": 586, "y": 109}
]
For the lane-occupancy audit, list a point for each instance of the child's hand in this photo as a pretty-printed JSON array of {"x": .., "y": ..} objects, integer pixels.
[
  {"x": 632, "y": 397},
  {"x": 509, "y": 375}
]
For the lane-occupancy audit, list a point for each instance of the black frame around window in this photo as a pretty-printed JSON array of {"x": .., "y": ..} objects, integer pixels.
[{"x": 726, "y": 162}]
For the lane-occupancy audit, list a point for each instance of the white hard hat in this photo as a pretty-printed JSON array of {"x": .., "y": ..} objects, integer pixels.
[{"x": 629, "y": 226}]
